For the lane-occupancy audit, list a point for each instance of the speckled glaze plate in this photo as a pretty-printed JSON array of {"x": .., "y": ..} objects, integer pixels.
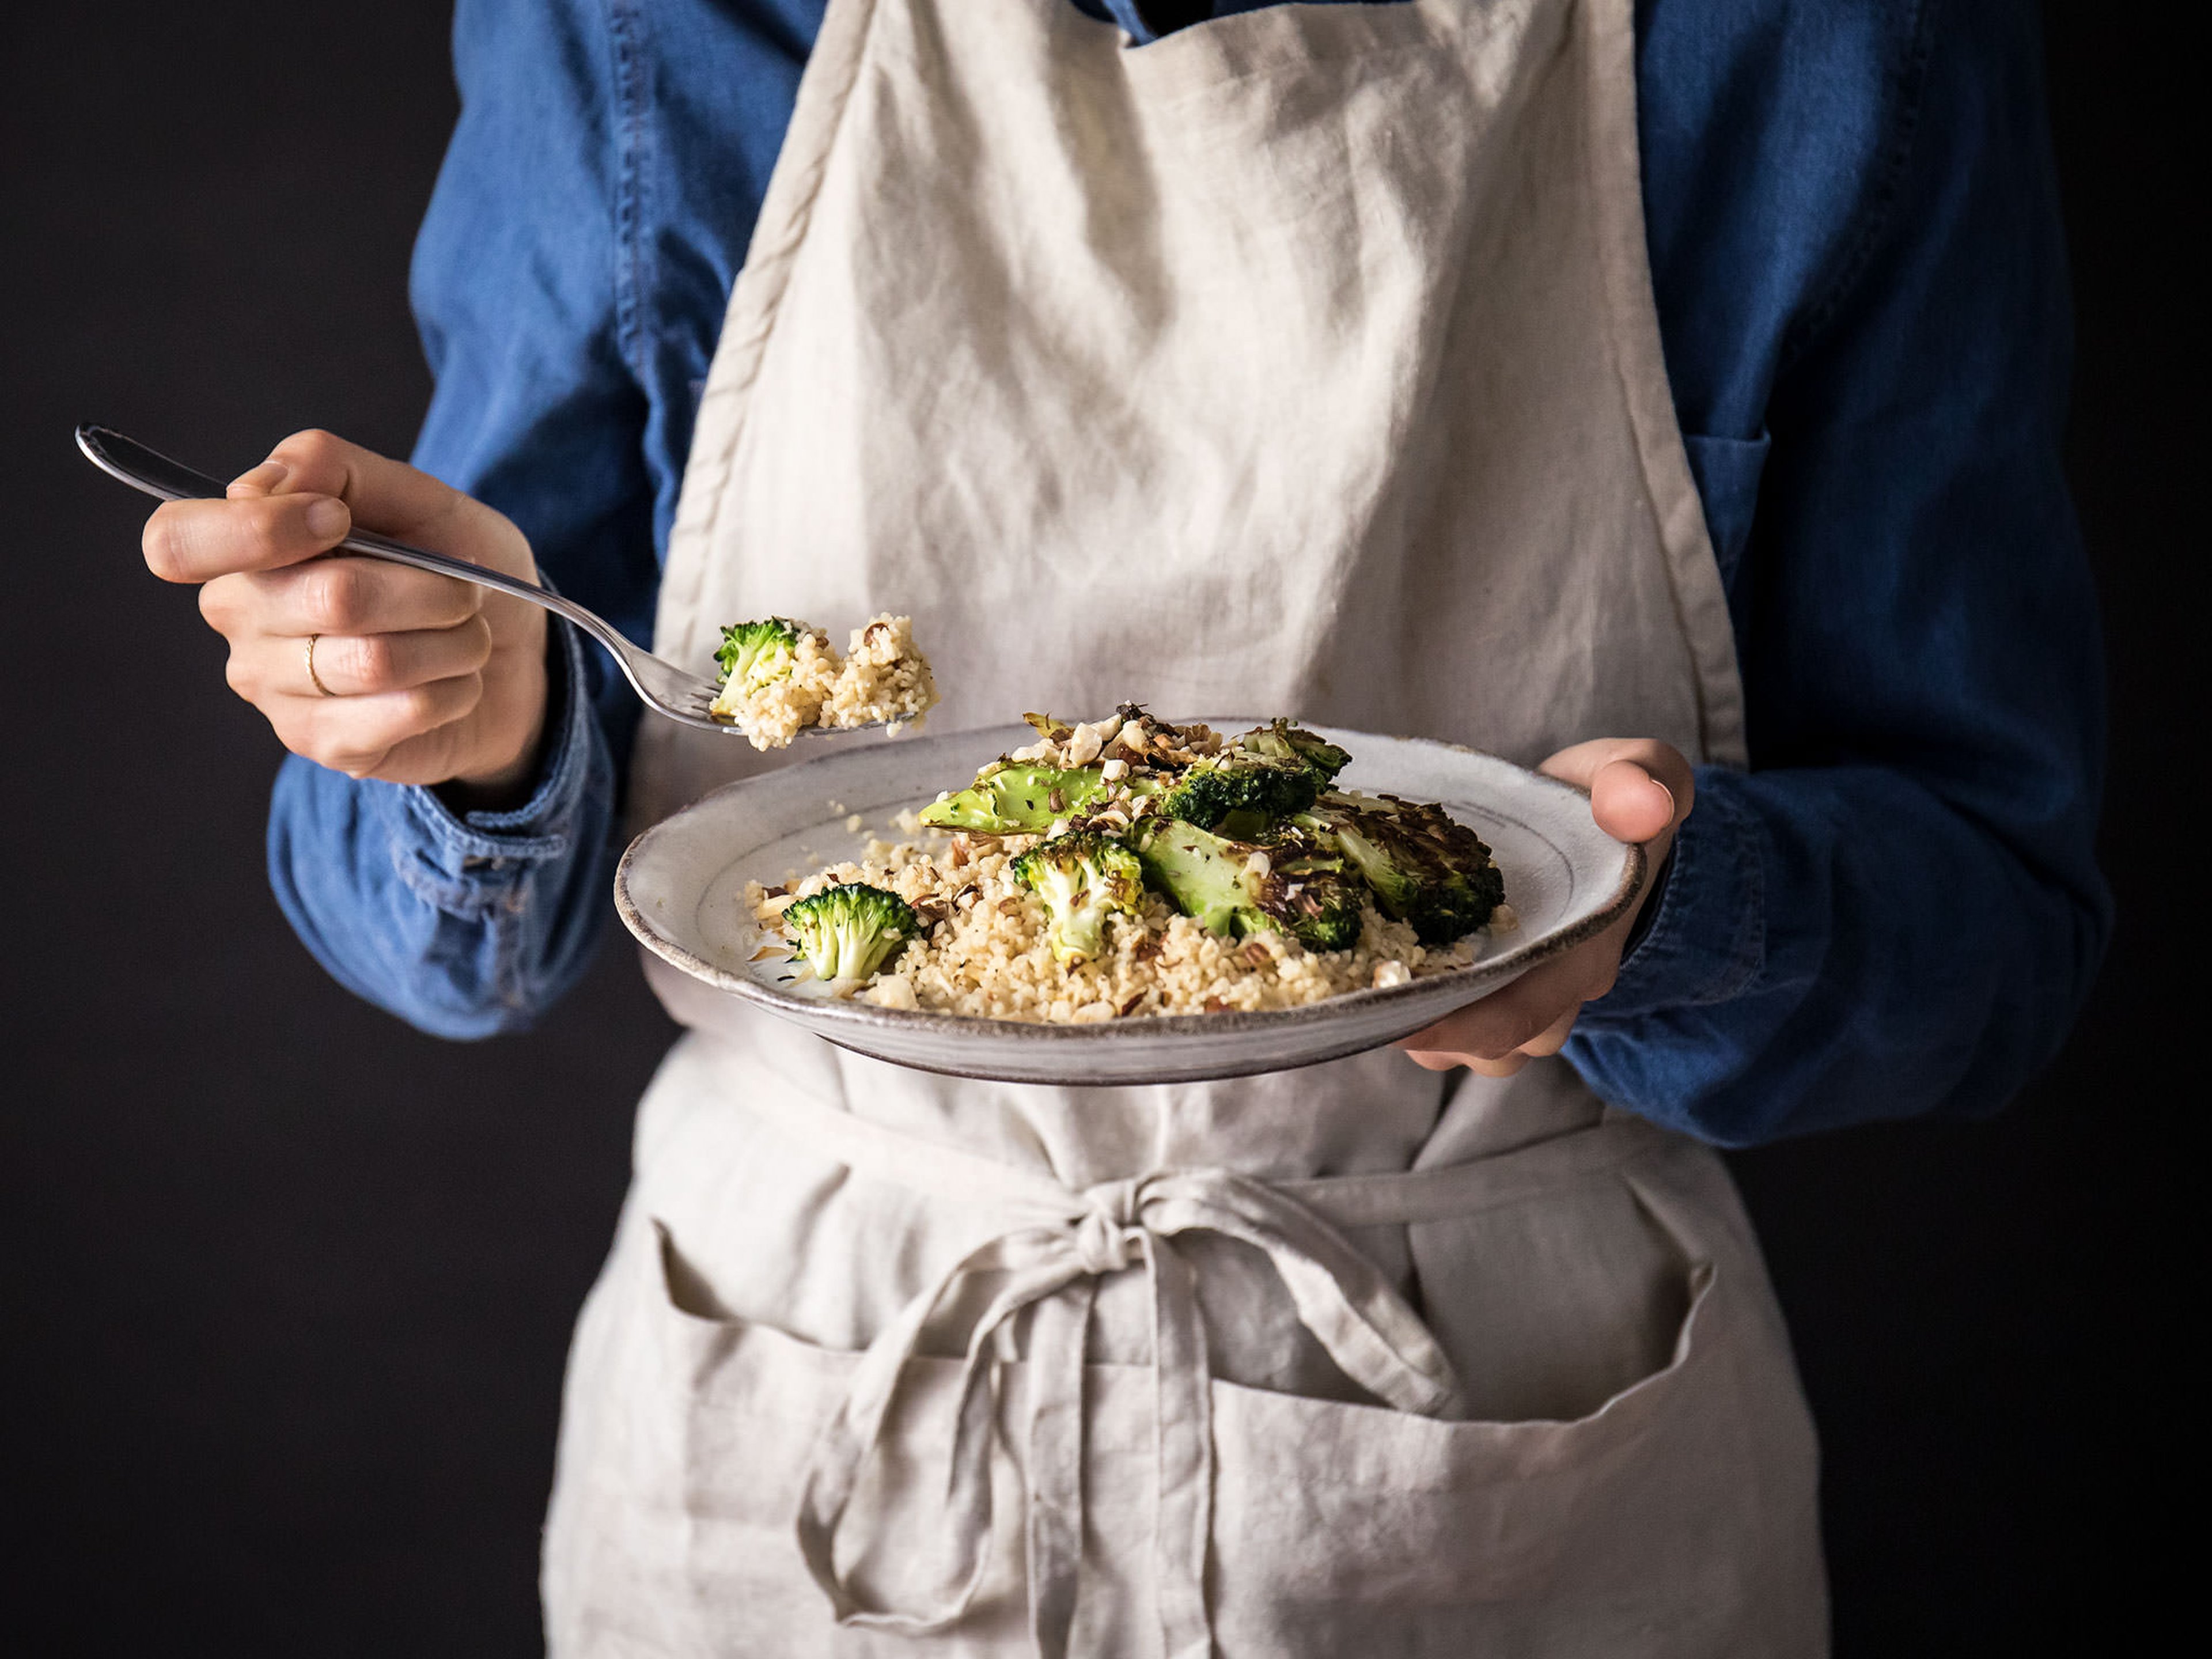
[{"x": 681, "y": 890}]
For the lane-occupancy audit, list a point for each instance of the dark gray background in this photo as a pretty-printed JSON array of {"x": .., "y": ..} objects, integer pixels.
[{"x": 285, "y": 1287}]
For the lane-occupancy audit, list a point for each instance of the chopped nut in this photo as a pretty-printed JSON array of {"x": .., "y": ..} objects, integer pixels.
[
  {"x": 1057, "y": 800},
  {"x": 1256, "y": 954},
  {"x": 893, "y": 992},
  {"x": 1259, "y": 865},
  {"x": 1215, "y": 1005}
]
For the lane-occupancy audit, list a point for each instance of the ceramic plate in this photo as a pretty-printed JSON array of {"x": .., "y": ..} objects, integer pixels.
[{"x": 681, "y": 890}]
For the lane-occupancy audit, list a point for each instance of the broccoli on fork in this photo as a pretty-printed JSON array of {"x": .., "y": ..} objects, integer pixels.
[
  {"x": 752, "y": 655},
  {"x": 1293, "y": 881},
  {"x": 849, "y": 931},
  {"x": 1082, "y": 878}
]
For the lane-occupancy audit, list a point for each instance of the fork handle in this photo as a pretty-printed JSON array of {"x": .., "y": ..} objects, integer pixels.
[{"x": 131, "y": 462}]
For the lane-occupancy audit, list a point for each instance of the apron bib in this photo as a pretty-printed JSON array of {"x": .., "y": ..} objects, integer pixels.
[{"x": 1303, "y": 362}]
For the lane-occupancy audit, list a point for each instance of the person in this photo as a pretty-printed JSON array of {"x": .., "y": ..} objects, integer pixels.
[{"x": 1669, "y": 395}]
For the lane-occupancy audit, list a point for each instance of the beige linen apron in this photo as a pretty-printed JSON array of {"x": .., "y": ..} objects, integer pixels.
[{"x": 1305, "y": 360}]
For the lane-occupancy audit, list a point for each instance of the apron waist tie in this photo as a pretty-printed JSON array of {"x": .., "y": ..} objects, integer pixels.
[
  {"x": 1378, "y": 1341},
  {"x": 1062, "y": 1241}
]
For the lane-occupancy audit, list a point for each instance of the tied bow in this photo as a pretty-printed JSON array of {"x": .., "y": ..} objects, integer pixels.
[{"x": 1053, "y": 1266}]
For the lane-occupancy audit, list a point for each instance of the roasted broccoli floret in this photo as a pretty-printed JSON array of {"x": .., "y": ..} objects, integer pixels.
[
  {"x": 1017, "y": 800},
  {"x": 1283, "y": 741},
  {"x": 1082, "y": 878},
  {"x": 1268, "y": 775},
  {"x": 1425, "y": 868},
  {"x": 757, "y": 653},
  {"x": 1294, "y": 882},
  {"x": 848, "y": 932},
  {"x": 1247, "y": 792}
]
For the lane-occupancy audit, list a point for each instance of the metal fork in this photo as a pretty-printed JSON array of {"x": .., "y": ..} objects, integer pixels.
[{"x": 660, "y": 684}]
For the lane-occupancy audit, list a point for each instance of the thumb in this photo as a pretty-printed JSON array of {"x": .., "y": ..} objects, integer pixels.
[{"x": 1639, "y": 787}]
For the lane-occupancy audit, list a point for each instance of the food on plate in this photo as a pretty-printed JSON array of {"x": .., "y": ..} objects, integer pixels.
[
  {"x": 780, "y": 677},
  {"x": 1128, "y": 867},
  {"x": 1081, "y": 878},
  {"x": 845, "y": 931}
]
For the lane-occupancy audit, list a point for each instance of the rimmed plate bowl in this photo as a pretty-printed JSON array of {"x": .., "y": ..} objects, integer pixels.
[{"x": 681, "y": 890}]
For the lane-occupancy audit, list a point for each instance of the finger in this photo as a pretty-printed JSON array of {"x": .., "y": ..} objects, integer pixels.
[
  {"x": 1432, "y": 1060},
  {"x": 263, "y": 480},
  {"x": 396, "y": 499},
  {"x": 1628, "y": 804},
  {"x": 339, "y": 595},
  {"x": 1500, "y": 1023},
  {"x": 1505, "y": 1067},
  {"x": 359, "y": 665},
  {"x": 198, "y": 541},
  {"x": 354, "y": 734},
  {"x": 1553, "y": 1037},
  {"x": 1639, "y": 787}
]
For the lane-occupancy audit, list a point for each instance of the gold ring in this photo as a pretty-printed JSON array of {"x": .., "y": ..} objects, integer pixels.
[{"x": 312, "y": 675}]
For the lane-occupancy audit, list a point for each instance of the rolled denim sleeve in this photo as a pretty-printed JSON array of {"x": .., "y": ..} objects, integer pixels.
[
  {"x": 469, "y": 924},
  {"x": 1896, "y": 911},
  {"x": 463, "y": 925}
]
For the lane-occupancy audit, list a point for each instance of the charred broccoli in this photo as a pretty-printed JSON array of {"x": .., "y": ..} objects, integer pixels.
[
  {"x": 757, "y": 653},
  {"x": 1293, "y": 881},
  {"x": 1424, "y": 867},
  {"x": 1265, "y": 776},
  {"x": 1017, "y": 800},
  {"x": 1082, "y": 877},
  {"x": 1245, "y": 790},
  {"x": 1283, "y": 741},
  {"x": 848, "y": 932}
]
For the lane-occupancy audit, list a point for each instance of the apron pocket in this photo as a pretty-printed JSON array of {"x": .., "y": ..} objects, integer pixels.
[
  {"x": 740, "y": 1406},
  {"x": 1318, "y": 1503},
  {"x": 745, "y": 1405},
  {"x": 1668, "y": 1517}
]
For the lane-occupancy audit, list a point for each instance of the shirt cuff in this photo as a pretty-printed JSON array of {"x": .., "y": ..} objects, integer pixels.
[
  {"x": 1705, "y": 937},
  {"x": 469, "y": 863}
]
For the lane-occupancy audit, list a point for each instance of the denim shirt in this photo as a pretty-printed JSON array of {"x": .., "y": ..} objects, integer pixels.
[{"x": 1855, "y": 248}]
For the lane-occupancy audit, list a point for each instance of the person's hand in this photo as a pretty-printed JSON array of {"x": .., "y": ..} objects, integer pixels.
[
  {"x": 423, "y": 680},
  {"x": 1640, "y": 791}
]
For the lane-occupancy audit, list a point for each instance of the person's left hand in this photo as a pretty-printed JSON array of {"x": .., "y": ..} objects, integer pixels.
[{"x": 1640, "y": 791}]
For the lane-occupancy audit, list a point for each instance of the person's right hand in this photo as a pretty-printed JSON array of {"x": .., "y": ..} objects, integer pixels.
[{"x": 424, "y": 679}]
